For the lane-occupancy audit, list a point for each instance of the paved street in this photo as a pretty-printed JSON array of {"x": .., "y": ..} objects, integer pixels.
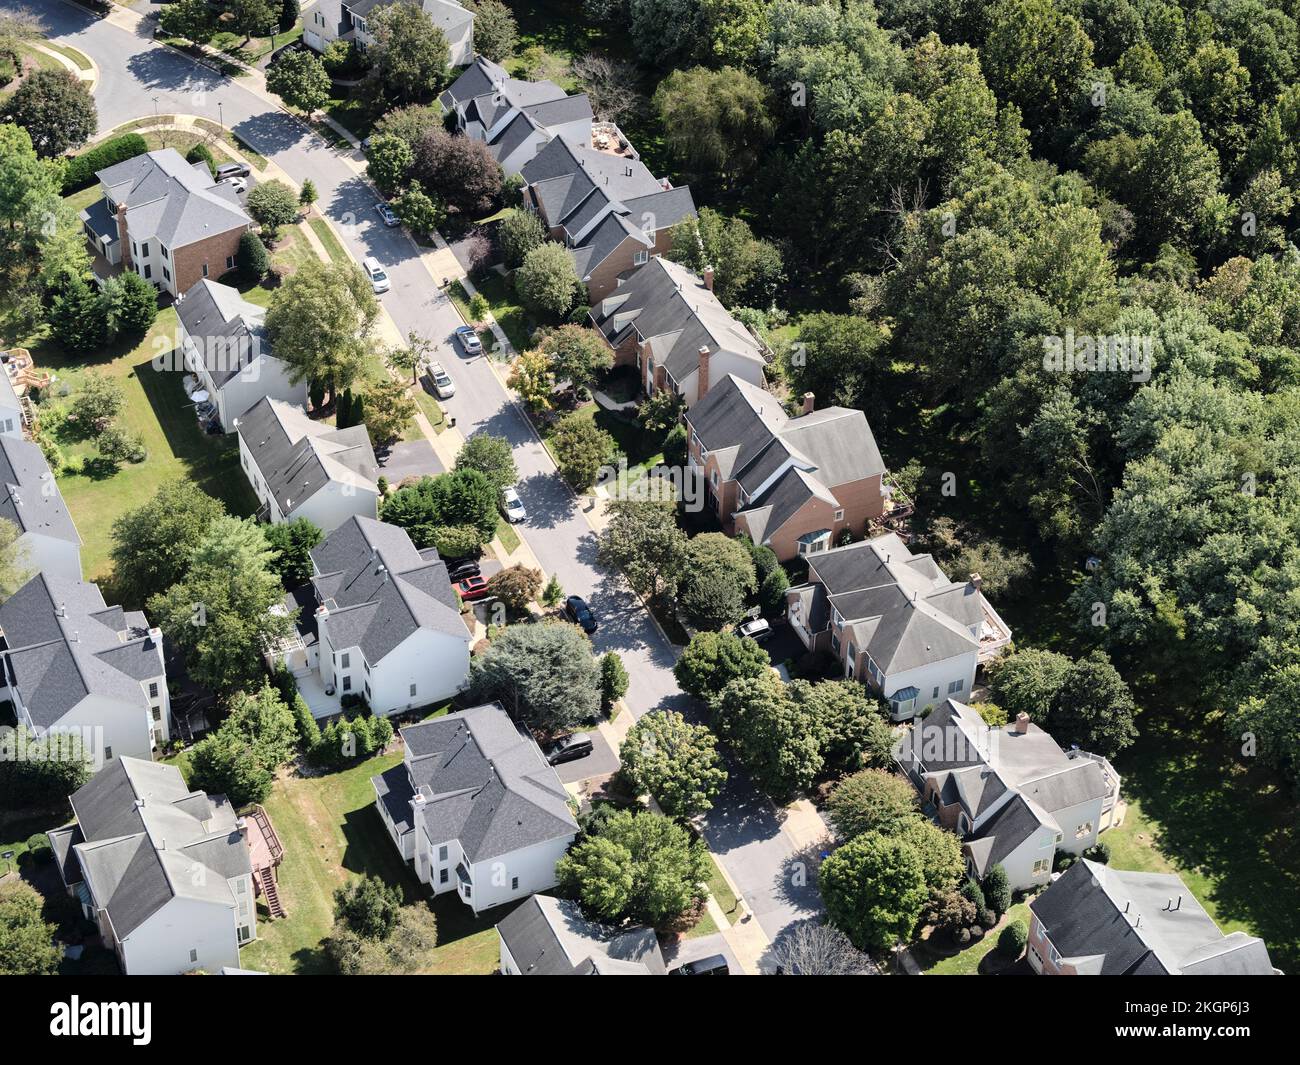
[{"x": 138, "y": 79}]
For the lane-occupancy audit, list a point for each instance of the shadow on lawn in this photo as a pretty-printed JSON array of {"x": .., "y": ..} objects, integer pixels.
[{"x": 1236, "y": 824}]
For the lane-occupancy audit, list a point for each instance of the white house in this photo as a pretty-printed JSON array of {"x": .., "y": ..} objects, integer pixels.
[
  {"x": 1011, "y": 793},
  {"x": 546, "y": 936},
  {"x": 74, "y": 664},
  {"x": 476, "y": 808},
  {"x": 163, "y": 871},
  {"x": 327, "y": 21},
  {"x": 380, "y": 620},
  {"x": 11, "y": 408},
  {"x": 1099, "y": 921},
  {"x": 513, "y": 117},
  {"x": 300, "y": 468},
  {"x": 896, "y": 622},
  {"x": 48, "y": 541},
  {"x": 223, "y": 341}
]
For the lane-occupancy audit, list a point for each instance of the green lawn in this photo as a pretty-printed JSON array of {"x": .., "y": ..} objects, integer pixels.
[
  {"x": 17, "y": 826},
  {"x": 967, "y": 962},
  {"x": 357, "y": 112},
  {"x": 331, "y": 834},
  {"x": 326, "y": 235},
  {"x": 510, "y": 316},
  {"x": 627, "y": 434},
  {"x": 233, "y": 44},
  {"x": 431, "y": 409},
  {"x": 82, "y": 61},
  {"x": 507, "y": 535},
  {"x": 233, "y": 139},
  {"x": 158, "y": 411}
]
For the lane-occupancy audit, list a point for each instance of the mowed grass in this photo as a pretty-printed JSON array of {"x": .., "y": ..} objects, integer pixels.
[
  {"x": 967, "y": 962},
  {"x": 333, "y": 834},
  {"x": 332, "y": 245},
  {"x": 158, "y": 411}
]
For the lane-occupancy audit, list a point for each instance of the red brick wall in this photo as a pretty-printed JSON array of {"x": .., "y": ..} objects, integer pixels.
[{"x": 187, "y": 262}]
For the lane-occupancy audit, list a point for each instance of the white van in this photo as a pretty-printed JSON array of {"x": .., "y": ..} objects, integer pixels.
[{"x": 378, "y": 279}]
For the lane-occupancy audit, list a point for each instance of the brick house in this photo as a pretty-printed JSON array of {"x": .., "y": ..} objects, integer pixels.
[
  {"x": 165, "y": 219},
  {"x": 605, "y": 207},
  {"x": 667, "y": 323},
  {"x": 895, "y": 621},
  {"x": 794, "y": 484}
]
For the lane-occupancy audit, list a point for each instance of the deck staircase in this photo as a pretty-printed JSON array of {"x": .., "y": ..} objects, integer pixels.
[{"x": 267, "y": 883}]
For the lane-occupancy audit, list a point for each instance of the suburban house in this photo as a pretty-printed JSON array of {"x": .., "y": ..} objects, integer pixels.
[
  {"x": 379, "y": 619},
  {"x": 546, "y": 936},
  {"x": 793, "y": 484},
  {"x": 895, "y": 621},
  {"x": 11, "y": 409},
  {"x": 1099, "y": 921},
  {"x": 223, "y": 340},
  {"x": 476, "y": 807},
  {"x": 513, "y": 117},
  {"x": 166, "y": 219},
  {"x": 604, "y": 206},
  {"x": 1010, "y": 792},
  {"x": 169, "y": 875},
  {"x": 47, "y": 539},
  {"x": 74, "y": 664},
  {"x": 301, "y": 468},
  {"x": 667, "y": 323},
  {"x": 327, "y": 21}
]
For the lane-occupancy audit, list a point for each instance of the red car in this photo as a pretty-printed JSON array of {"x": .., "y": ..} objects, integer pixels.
[{"x": 472, "y": 588}]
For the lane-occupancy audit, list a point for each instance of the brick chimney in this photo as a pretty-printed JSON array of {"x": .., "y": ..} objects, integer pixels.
[
  {"x": 704, "y": 371},
  {"x": 977, "y": 582},
  {"x": 1022, "y": 723},
  {"x": 708, "y": 278},
  {"x": 809, "y": 402}
]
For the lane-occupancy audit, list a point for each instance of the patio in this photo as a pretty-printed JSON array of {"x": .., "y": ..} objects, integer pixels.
[{"x": 318, "y": 702}]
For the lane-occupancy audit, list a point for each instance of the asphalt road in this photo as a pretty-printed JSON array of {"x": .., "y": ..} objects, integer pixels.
[{"x": 139, "y": 78}]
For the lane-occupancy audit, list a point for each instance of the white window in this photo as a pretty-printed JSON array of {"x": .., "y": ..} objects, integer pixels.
[
  {"x": 194, "y": 955},
  {"x": 514, "y": 883},
  {"x": 839, "y": 514},
  {"x": 1043, "y": 865},
  {"x": 412, "y": 691},
  {"x": 956, "y": 686},
  {"x": 347, "y": 684},
  {"x": 1084, "y": 829},
  {"x": 205, "y": 269},
  {"x": 244, "y": 934},
  {"x": 641, "y": 258},
  {"x": 345, "y": 660},
  {"x": 230, "y": 262}
]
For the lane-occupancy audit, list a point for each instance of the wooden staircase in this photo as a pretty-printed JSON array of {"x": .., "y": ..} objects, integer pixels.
[{"x": 267, "y": 883}]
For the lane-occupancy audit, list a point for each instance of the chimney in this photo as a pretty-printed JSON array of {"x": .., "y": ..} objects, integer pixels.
[
  {"x": 704, "y": 371},
  {"x": 708, "y": 278},
  {"x": 809, "y": 402},
  {"x": 977, "y": 582},
  {"x": 1022, "y": 723}
]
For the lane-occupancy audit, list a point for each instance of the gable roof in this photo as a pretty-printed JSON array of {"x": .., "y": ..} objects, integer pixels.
[
  {"x": 547, "y": 936},
  {"x": 478, "y": 778},
  {"x": 171, "y": 200},
  {"x": 64, "y": 643},
  {"x": 146, "y": 838},
  {"x": 29, "y": 494},
  {"x": 379, "y": 589},
  {"x": 298, "y": 457},
  {"x": 1108, "y": 921},
  {"x": 228, "y": 331}
]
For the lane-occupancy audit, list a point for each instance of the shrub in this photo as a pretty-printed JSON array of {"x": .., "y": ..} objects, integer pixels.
[
  {"x": 273, "y": 204},
  {"x": 1014, "y": 938},
  {"x": 80, "y": 171},
  {"x": 201, "y": 153},
  {"x": 252, "y": 258},
  {"x": 997, "y": 890},
  {"x": 457, "y": 541},
  {"x": 478, "y": 307},
  {"x": 771, "y": 593},
  {"x": 38, "y": 846},
  {"x": 1099, "y": 852},
  {"x": 1063, "y": 861},
  {"x": 118, "y": 446},
  {"x": 613, "y": 679}
]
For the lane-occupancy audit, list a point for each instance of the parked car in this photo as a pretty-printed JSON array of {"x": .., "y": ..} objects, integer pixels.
[
  {"x": 387, "y": 215},
  {"x": 472, "y": 588},
  {"x": 229, "y": 170},
  {"x": 569, "y": 748},
  {"x": 756, "y": 629},
  {"x": 577, "y": 610},
  {"x": 469, "y": 340},
  {"x": 240, "y": 185},
  {"x": 513, "y": 506},
  {"x": 443, "y": 386},
  {"x": 459, "y": 571},
  {"x": 365, "y": 145},
  {"x": 378, "y": 279},
  {"x": 714, "y": 965}
]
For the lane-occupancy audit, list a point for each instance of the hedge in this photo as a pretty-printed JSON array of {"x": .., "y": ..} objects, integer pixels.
[{"x": 80, "y": 171}]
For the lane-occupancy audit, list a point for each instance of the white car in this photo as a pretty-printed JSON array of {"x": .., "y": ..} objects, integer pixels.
[
  {"x": 443, "y": 386},
  {"x": 378, "y": 279},
  {"x": 513, "y": 506},
  {"x": 239, "y": 184}
]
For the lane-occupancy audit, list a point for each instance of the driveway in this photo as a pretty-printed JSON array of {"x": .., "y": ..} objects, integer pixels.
[
  {"x": 135, "y": 76},
  {"x": 602, "y": 762},
  {"x": 680, "y": 951},
  {"x": 410, "y": 458}
]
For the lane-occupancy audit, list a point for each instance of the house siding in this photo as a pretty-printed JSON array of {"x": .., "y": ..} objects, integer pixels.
[{"x": 187, "y": 262}]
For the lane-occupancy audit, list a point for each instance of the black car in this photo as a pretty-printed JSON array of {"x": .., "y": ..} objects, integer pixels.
[
  {"x": 711, "y": 966},
  {"x": 229, "y": 170},
  {"x": 580, "y": 613},
  {"x": 460, "y": 570},
  {"x": 569, "y": 748}
]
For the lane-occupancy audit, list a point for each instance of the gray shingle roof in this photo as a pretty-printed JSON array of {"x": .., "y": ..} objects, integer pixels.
[
  {"x": 1112, "y": 922},
  {"x": 480, "y": 779},
  {"x": 172, "y": 200},
  {"x": 298, "y": 457},
  {"x": 547, "y": 936},
  {"x": 29, "y": 494},
  {"x": 146, "y": 838},
  {"x": 64, "y": 643},
  {"x": 480, "y": 78},
  {"x": 228, "y": 331},
  {"x": 379, "y": 589}
]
